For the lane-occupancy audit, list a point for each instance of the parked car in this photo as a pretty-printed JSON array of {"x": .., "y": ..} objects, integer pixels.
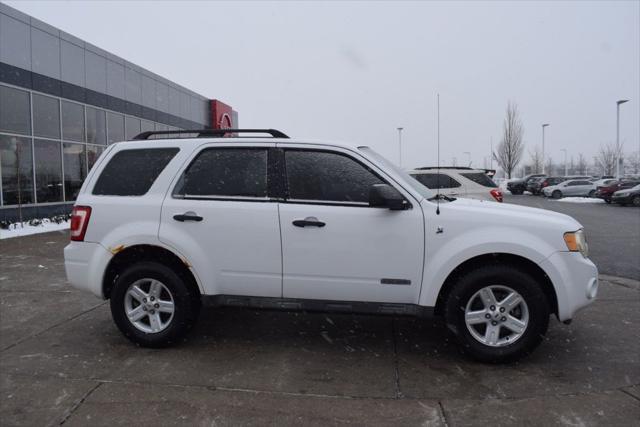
[
  {"x": 533, "y": 186},
  {"x": 571, "y": 188},
  {"x": 606, "y": 192},
  {"x": 546, "y": 182},
  {"x": 459, "y": 182},
  {"x": 630, "y": 196},
  {"x": 518, "y": 186},
  {"x": 162, "y": 227}
]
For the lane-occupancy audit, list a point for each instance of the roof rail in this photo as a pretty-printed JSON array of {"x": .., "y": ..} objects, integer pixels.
[
  {"x": 442, "y": 167},
  {"x": 207, "y": 133}
]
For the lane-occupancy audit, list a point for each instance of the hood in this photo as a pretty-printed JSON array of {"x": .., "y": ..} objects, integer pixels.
[{"x": 510, "y": 214}]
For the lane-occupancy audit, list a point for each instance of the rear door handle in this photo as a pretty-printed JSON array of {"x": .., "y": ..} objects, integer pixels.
[
  {"x": 309, "y": 221},
  {"x": 187, "y": 216}
]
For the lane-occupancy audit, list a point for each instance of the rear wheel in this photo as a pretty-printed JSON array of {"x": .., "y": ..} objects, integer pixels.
[
  {"x": 592, "y": 193},
  {"x": 516, "y": 192},
  {"x": 152, "y": 305},
  {"x": 635, "y": 201},
  {"x": 607, "y": 201},
  {"x": 557, "y": 194},
  {"x": 498, "y": 313}
]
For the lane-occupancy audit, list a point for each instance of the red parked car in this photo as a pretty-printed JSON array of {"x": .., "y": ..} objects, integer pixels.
[{"x": 607, "y": 192}]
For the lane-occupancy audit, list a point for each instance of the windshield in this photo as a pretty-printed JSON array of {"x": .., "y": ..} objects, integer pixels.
[{"x": 386, "y": 164}]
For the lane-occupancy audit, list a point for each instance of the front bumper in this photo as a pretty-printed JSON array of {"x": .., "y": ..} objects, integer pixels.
[
  {"x": 575, "y": 279},
  {"x": 85, "y": 263}
]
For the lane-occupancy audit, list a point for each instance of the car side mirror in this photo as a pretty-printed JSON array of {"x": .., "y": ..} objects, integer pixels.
[{"x": 384, "y": 195}]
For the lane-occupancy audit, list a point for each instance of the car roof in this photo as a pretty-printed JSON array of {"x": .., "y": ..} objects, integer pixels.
[{"x": 445, "y": 169}]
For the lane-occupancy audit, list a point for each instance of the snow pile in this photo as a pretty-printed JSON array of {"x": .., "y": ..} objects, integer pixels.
[
  {"x": 580, "y": 200},
  {"x": 24, "y": 229},
  {"x": 502, "y": 182}
]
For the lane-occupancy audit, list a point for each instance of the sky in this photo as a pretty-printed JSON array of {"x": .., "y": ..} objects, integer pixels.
[{"x": 356, "y": 71}]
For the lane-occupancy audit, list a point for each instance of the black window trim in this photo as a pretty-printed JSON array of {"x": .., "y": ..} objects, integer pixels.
[
  {"x": 285, "y": 184},
  {"x": 270, "y": 175}
]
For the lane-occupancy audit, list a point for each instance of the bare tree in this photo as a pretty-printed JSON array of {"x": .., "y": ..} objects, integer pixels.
[
  {"x": 511, "y": 146},
  {"x": 634, "y": 162},
  {"x": 607, "y": 157},
  {"x": 581, "y": 165},
  {"x": 536, "y": 160},
  {"x": 550, "y": 167}
]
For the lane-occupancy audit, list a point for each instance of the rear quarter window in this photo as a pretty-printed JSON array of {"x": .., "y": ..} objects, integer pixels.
[
  {"x": 482, "y": 179},
  {"x": 133, "y": 172}
]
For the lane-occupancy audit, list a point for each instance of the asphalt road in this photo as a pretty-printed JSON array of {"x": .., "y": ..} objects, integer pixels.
[
  {"x": 613, "y": 232},
  {"x": 62, "y": 361}
]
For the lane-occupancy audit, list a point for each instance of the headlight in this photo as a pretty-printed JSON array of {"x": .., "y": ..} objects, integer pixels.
[{"x": 577, "y": 242}]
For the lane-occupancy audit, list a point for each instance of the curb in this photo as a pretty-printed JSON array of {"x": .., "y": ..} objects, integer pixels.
[{"x": 621, "y": 281}]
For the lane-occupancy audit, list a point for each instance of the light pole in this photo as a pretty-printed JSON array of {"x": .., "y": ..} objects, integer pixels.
[
  {"x": 544, "y": 125},
  {"x": 400, "y": 146},
  {"x": 621, "y": 101},
  {"x": 565, "y": 161},
  {"x": 468, "y": 157}
]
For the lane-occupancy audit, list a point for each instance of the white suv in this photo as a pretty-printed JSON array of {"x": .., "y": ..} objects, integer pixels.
[
  {"x": 456, "y": 181},
  {"x": 164, "y": 226}
]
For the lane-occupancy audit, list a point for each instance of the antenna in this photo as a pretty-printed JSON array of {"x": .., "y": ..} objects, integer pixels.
[{"x": 438, "y": 169}]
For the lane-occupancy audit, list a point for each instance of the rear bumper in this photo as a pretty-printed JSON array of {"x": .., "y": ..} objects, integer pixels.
[
  {"x": 85, "y": 263},
  {"x": 575, "y": 279}
]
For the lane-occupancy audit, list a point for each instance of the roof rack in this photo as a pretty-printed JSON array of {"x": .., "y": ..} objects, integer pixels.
[
  {"x": 208, "y": 133},
  {"x": 443, "y": 167}
]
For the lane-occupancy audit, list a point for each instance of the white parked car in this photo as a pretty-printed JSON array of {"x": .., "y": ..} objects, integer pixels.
[
  {"x": 571, "y": 188},
  {"x": 459, "y": 182},
  {"x": 162, "y": 227}
]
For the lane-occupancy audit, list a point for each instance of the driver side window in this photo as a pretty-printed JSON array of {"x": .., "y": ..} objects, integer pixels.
[{"x": 327, "y": 177}]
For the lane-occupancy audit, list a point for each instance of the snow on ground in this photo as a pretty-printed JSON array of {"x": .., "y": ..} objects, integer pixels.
[
  {"x": 580, "y": 200},
  {"x": 16, "y": 230}
]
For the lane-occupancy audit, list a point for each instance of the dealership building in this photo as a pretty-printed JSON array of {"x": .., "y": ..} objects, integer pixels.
[{"x": 63, "y": 100}]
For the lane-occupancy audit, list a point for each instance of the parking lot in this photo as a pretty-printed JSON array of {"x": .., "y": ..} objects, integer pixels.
[{"x": 62, "y": 360}]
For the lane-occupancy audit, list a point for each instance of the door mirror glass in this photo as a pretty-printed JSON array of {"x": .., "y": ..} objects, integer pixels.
[{"x": 384, "y": 195}]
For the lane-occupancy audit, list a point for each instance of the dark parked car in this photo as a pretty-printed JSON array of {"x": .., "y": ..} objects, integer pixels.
[
  {"x": 534, "y": 184},
  {"x": 606, "y": 193},
  {"x": 518, "y": 186},
  {"x": 630, "y": 196},
  {"x": 540, "y": 184}
]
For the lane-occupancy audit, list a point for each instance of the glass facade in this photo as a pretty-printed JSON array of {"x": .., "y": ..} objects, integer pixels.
[{"x": 48, "y": 144}]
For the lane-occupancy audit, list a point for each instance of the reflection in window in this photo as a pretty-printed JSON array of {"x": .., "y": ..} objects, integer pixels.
[
  {"x": 48, "y": 171},
  {"x": 46, "y": 116},
  {"x": 96, "y": 126},
  {"x": 132, "y": 127},
  {"x": 146, "y": 126},
  {"x": 93, "y": 152},
  {"x": 17, "y": 172},
  {"x": 75, "y": 169},
  {"x": 115, "y": 127},
  {"x": 72, "y": 121},
  {"x": 15, "y": 115}
]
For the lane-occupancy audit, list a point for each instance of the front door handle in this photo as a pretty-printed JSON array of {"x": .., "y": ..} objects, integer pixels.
[
  {"x": 187, "y": 216},
  {"x": 310, "y": 221}
]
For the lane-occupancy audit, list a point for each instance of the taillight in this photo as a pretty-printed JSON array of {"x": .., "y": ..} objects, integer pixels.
[
  {"x": 497, "y": 194},
  {"x": 79, "y": 221},
  {"x": 545, "y": 183}
]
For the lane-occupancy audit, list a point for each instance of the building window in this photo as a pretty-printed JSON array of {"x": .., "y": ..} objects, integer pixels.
[
  {"x": 146, "y": 126},
  {"x": 46, "y": 116},
  {"x": 17, "y": 171},
  {"x": 96, "y": 126},
  {"x": 93, "y": 152},
  {"x": 75, "y": 169},
  {"x": 15, "y": 114},
  {"x": 72, "y": 121},
  {"x": 132, "y": 127},
  {"x": 48, "y": 170},
  {"x": 115, "y": 127}
]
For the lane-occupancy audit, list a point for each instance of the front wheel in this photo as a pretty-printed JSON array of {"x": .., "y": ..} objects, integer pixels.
[
  {"x": 592, "y": 193},
  {"x": 498, "y": 313},
  {"x": 152, "y": 305},
  {"x": 635, "y": 201},
  {"x": 557, "y": 194}
]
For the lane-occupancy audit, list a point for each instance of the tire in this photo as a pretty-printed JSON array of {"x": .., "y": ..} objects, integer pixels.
[
  {"x": 635, "y": 201},
  {"x": 557, "y": 194},
  {"x": 592, "y": 193},
  {"x": 607, "y": 201},
  {"x": 167, "y": 328},
  {"x": 503, "y": 280}
]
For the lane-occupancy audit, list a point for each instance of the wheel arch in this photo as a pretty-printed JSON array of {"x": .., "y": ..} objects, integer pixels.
[
  {"x": 503, "y": 259},
  {"x": 146, "y": 252}
]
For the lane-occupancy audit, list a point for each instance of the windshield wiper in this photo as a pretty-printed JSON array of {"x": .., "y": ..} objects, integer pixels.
[{"x": 442, "y": 197}]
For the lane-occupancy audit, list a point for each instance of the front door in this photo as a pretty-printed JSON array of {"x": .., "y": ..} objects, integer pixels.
[
  {"x": 336, "y": 247},
  {"x": 220, "y": 217}
]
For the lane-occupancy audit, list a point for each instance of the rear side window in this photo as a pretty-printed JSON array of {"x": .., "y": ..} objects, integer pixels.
[
  {"x": 225, "y": 172},
  {"x": 483, "y": 179},
  {"x": 436, "y": 180},
  {"x": 133, "y": 172}
]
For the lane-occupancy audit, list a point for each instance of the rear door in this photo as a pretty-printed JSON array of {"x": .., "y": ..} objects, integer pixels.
[
  {"x": 220, "y": 215},
  {"x": 335, "y": 246}
]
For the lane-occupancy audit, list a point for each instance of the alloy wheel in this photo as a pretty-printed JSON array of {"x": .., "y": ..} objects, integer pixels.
[{"x": 149, "y": 305}]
